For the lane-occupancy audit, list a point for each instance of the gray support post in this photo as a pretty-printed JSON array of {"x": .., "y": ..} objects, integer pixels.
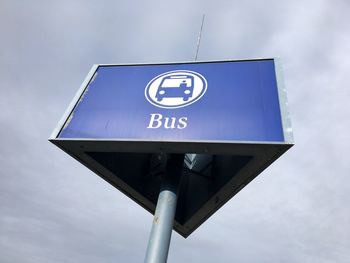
[{"x": 163, "y": 221}]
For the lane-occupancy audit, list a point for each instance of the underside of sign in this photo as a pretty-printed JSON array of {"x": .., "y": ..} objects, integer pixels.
[
  {"x": 202, "y": 191},
  {"x": 177, "y": 101}
]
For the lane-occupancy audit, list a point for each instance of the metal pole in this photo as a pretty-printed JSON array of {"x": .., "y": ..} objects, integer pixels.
[
  {"x": 199, "y": 38},
  {"x": 163, "y": 221}
]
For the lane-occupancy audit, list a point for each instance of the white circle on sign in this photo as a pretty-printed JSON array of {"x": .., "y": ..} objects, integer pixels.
[{"x": 175, "y": 89}]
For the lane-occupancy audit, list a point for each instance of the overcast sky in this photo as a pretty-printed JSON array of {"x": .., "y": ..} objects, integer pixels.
[{"x": 52, "y": 209}]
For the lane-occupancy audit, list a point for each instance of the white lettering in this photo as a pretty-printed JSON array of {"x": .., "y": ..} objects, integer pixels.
[
  {"x": 182, "y": 123},
  {"x": 172, "y": 123},
  {"x": 155, "y": 119}
]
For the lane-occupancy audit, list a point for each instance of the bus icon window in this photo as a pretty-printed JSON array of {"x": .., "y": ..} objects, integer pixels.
[{"x": 175, "y": 86}]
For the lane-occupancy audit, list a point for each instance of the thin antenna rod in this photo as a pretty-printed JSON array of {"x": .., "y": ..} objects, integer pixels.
[{"x": 199, "y": 38}]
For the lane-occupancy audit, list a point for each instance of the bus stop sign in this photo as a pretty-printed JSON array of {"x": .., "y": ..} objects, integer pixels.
[{"x": 228, "y": 118}]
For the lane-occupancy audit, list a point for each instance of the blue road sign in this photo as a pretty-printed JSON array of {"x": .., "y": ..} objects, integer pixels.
[
  {"x": 230, "y": 118},
  {"x": 222, "y": 101}
]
